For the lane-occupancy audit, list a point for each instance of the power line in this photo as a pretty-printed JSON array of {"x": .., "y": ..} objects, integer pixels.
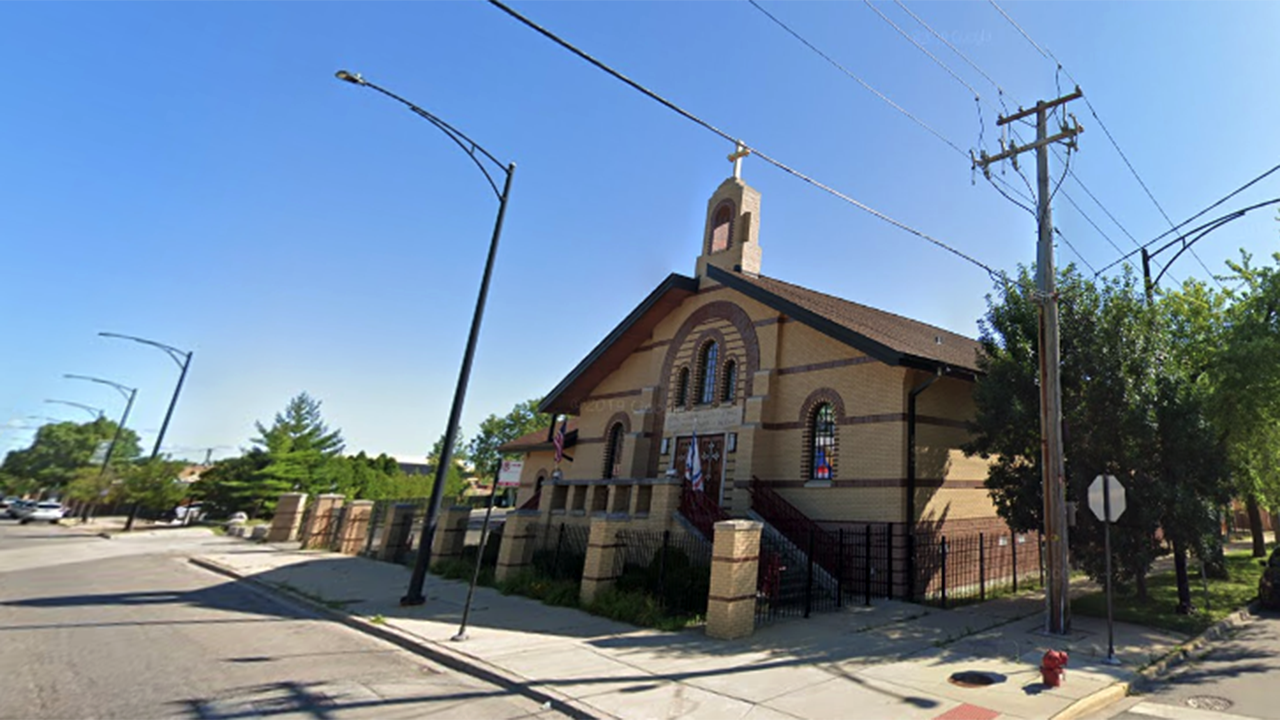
[
  {"x": 1019, "y": 28},
  {"x": 922, "y": 49},
  {"x": 1064, "y": 239},
  {"x": 1048, "y": 54},
  {"x": 726, "y": 136},
  {"x": 953, "y": 48},
  {"x": 1225, "y": 198},
  {"x": 859, "y": 80}
]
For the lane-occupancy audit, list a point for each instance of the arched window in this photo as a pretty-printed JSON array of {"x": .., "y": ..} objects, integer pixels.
[
  {"x": 730, "y": 382},
  {"x": 823, "y": 433},
  {"x": 613, "y": 452},
  {"x": 707, "y": 373},
  {"x": 682, "y": 388},
  {"x": 720, "y": 227}
]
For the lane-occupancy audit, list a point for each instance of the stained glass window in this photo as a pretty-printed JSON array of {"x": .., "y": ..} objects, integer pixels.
[
  {"x": 824, "y": 441},
  {"x": 730, "y": 381},
  {"x": 710, "y": 355}
]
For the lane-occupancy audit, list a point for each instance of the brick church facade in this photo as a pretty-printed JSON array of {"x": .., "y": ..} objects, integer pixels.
[{"x": 853, "y": 415}]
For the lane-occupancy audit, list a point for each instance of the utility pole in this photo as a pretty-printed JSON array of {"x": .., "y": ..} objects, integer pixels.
[{"x": 1057, "y": 602}]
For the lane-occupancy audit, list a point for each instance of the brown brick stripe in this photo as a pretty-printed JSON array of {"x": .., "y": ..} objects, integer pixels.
[
  {"x": 717, "y": 558},
  {"x": 739, "y": 598}
]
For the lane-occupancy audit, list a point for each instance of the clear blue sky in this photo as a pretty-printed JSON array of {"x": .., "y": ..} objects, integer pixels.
[{"x": 193, "y": 173}]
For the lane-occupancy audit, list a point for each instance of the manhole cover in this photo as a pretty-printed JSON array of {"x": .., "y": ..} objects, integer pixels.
[
  {"x": 975, "y": 678},
  {"x": 1208, "y": 702}
]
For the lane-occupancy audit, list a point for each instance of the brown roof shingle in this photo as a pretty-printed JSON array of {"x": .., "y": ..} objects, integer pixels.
[{"x": 883, "y": 334}]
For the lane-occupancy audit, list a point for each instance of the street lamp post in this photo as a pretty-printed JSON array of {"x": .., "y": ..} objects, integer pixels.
[
  {"x": 129, "y": 394},
  {"x": 183, "y": 359},
  {"x": 93, "y": 411},
  {"x": 415, "y": 595}
]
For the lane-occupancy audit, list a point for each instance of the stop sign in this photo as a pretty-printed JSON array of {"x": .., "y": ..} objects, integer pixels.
[{"x": 1097, "y": 497}]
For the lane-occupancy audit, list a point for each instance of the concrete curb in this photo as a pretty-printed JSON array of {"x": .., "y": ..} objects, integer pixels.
[
  {"x": 1120, "y": 690},
  {"x": 446, "y": 656}
]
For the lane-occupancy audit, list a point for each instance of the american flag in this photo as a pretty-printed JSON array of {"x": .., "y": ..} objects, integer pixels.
[
  {"x": 693, "y": 464},
  {"x": 558, "y": 441}
]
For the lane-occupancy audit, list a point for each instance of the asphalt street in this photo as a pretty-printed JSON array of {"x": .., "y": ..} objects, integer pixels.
[
  {"x": 127, "y": 628},
  {"x": 1236, "y": 680}
]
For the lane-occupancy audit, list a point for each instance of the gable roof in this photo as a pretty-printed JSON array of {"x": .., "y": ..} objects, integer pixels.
[
  {"x": 540, "y": 439},
  {"x": 892, "y": 339},
  {"x": 619, "y": 344},
  {"x": 889, "y": 338}
]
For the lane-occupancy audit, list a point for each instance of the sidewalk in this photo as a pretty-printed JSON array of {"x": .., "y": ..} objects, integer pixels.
[{"x": 889, "y": 661}]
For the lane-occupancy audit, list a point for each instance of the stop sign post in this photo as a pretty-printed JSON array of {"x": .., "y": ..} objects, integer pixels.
[{"x": 1106, "y": 500}]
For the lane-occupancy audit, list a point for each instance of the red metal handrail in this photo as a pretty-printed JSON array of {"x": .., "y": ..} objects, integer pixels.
[
  {"x": 795, "y": 525},
  {"x": 700, "y": 510},
  {"x": 531, "y": 503}
]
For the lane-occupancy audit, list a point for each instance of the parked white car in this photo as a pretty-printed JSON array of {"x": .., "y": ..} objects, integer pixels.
[{"x": 46, "y": 511}]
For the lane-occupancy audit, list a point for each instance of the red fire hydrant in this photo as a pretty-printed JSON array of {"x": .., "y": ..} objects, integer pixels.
[{"x": 1053, "y": 668}]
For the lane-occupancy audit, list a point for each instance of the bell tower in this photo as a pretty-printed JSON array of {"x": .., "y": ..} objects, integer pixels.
[{"x": 730, "y": 238}]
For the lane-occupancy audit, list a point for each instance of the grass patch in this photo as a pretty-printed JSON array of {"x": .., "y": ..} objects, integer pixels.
[
  {"x": 624, "y": 603},
  {"x": 459, "y": 569},
  {"x": 559, "y": 593},
  {"x": 1225, "y": 597},
  {"x": 638, "y": 608}
]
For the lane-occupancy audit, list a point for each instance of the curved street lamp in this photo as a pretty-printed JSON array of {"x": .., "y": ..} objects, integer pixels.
[
  {"x": 1186, "y": 240},
  {"x": 129, "y": 394},
  {"x": 93, "y": 411},
  {"x": 414, "y": 595},
  {"x": 183, "y": 359}
]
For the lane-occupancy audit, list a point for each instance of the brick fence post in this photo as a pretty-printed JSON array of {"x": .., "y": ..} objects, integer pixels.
[
  {"x": 316, "y": 533},
  {"x": 517, "y": 542},
  {"x": 355, "y": 527},
  {"x": 735, "y": 556},
  {"x": 451, "y": 534},
  {"x": 598, "y": 571},
  {"x": 288, "y": 518},
  {"x": 399, "y": 523}
]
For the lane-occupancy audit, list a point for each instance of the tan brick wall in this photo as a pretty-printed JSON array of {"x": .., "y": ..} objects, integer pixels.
[
  {"x": 451, "y": 533},
  {"x": 355, "y": 527},
  {"x": 957, "y": 504},
  {"x": 871, "y": 445},
  {"x": 287, "y": 520},
  {"x": 839, "y": 504},
  {"x": 731, "y": 602}
]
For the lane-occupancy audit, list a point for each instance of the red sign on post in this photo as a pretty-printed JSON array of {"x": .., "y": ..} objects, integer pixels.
[{"x": 509, "y": 474}]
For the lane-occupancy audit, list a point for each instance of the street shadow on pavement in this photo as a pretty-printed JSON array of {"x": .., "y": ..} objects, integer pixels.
[
  {"x": 323, "y": 701},
  {"x": 223, "y": 596}
]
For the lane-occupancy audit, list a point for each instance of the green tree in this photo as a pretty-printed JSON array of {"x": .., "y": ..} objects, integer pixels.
[
  {"x": 153, "y": 484},
  {"x": 455, "y": 483},
  {"x": 1107, "y": 342},
  {"x": 236, "y": 485},
  {"x": 1245, "y": 401},
  {"x": 495, "y": 431},
  {"x": 300, "y": 449},
  {"x": 88, "y": 484},
  {"x": 60, "y": 449}
]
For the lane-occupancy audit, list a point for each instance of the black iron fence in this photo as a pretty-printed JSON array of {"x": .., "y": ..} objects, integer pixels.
[
  {"x": 395, "y": 527},
  {"x": 674, "y": 568},
  {"x": 862, "y": 560},
  {"x": 951, "y": 570},
  {"x": 789, "y": 583},
  {"x": 559, "y": 550}
]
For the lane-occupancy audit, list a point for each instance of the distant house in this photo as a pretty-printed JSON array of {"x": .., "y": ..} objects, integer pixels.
[{"x": 192, "y": 473}]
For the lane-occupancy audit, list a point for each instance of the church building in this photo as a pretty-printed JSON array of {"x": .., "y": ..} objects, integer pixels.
[{"x": 849, "y": 414}]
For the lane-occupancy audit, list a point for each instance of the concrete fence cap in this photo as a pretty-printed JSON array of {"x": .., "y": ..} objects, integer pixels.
[{"x": 738, "y": 525}]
